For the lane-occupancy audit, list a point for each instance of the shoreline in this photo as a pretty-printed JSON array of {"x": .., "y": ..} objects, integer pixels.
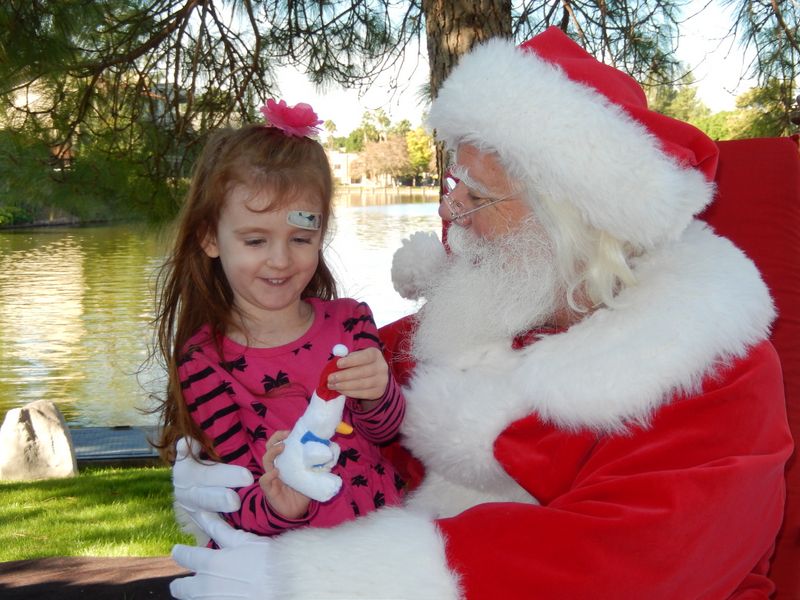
[{"x": 347, "y": 195}]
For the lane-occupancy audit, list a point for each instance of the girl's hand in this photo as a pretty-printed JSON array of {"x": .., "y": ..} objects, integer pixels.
[
  {"x": 364, "y": 375},
  {"x": 284, "y": 500}
]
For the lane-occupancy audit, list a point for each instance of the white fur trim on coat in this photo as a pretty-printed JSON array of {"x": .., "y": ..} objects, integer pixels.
[
  {"x": 391, "y": 554},
  {"x": 698, "y": 303},
  {"x": 568, "y": 142}
]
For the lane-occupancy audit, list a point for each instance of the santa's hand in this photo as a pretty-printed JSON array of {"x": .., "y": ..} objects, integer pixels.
[
  {"x": 202, "y": 486},
  {"x": 242, "y": 567}
]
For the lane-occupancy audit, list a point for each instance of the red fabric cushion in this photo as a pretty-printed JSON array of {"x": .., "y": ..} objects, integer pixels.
[
  {"x": 758, "y": 208},
  {"x": 396, "y": 337},
  {"x": 396, "y": 340}
]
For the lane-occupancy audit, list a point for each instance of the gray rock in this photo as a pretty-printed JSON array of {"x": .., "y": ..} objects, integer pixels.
[{"x": 35, "y": 443}]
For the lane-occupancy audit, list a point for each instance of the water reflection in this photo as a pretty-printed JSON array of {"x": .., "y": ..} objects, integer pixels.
[
  {"x": 76, "y": 306},
  {"x": 359, "y": 196},
  {"x": 360, "y": 256},
  {"x": 74, "y": 309},
  {"x": 36, "y": 337}
]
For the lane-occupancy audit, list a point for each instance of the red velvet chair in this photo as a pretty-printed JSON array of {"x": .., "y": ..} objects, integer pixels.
[{"x": 758, "y": 208}]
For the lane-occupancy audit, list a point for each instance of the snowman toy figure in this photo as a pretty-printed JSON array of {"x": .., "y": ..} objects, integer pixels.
[{"x": 308, "y": 453}]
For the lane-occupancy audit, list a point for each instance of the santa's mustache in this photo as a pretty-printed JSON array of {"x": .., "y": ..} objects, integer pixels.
[{"x": 490, "y": 290}]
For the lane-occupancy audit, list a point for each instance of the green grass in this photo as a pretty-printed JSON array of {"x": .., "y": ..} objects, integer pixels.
[{"x": 101, "y": 512}]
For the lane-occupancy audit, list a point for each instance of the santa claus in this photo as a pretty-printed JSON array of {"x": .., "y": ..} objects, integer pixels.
[{"x": 589, "y": 384}]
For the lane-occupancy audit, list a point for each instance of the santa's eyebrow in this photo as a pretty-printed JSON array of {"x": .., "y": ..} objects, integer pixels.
[{"x": 462, "y": 174}]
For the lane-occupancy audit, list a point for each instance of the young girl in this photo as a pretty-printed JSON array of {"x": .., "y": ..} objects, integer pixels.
[{"x": 248, "y": 317}]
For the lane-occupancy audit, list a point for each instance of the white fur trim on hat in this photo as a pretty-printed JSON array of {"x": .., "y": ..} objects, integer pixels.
[
  {"x": 568, "y": 142},
  {"x": 416, "y": 263}
]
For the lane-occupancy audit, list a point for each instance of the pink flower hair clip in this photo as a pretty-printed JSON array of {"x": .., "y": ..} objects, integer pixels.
[{"x": 299, "y": 120}]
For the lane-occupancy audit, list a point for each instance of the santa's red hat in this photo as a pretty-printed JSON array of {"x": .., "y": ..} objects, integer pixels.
[{"x": 578, "y": 131}]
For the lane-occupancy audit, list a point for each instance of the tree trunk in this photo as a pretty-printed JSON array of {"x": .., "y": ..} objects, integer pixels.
[{"x": 453, "y": 27}]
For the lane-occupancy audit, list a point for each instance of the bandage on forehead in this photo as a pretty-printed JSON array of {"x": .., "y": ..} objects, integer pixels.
[{"x": 304, "y": 220}]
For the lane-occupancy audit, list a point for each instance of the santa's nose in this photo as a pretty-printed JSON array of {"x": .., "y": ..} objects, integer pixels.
[{"x": 444, "y": 211}]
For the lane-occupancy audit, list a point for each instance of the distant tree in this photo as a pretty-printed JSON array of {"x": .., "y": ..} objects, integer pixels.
[
  {"x": 353, "y": 142},
  {"x": 756, "y": 115},
  {"x": 420, "y": 151},
  {"x": 375, "y": 125},
  {"x": 382, "y": 122},
  {"x": 330, "y": 128},
  {"x": 772, "y": 31},
  {"x": 679, "y": 101},
  {"x": 718, "y": 125},
  {"x": 386, "y": 158},
  {"x": 401, "y": 128}
]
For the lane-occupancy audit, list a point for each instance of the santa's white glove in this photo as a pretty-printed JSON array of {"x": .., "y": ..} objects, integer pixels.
[
  {"x": 240, "y": 569},
  {"x": 203, "y": 486}
]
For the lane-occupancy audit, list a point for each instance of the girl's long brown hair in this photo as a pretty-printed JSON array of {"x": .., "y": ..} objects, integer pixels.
[{"x": 192, "y": 288}]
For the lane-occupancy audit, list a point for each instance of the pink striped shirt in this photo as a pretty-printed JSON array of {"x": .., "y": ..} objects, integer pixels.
[{"x": 242, "y": 399}]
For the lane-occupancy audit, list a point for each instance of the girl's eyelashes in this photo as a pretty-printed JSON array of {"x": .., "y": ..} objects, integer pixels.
[{"x": 260, "y": 241}]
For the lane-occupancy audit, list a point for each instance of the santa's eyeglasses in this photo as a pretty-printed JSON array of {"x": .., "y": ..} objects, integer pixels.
[{"x": 460, "y": 210}]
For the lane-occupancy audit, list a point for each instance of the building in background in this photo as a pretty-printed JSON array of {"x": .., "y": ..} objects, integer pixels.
[{"x": 342, "y": 167}]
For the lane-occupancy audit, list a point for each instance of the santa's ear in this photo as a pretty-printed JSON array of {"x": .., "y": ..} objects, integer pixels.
[{"x": 209, "y": 245}]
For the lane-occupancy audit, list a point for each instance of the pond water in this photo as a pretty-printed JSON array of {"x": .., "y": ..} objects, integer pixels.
[{"x": 76, "y": 305}]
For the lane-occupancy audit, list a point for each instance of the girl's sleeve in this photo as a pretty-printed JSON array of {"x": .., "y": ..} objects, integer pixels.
[
  {"x": 210, "y": 394},
  {"x": 381, "y": 423}
]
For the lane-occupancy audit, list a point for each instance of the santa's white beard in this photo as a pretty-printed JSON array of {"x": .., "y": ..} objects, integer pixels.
[{"x": 490, "y": 291}]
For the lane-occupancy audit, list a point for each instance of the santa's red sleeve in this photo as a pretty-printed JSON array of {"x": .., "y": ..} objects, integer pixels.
[{"x": 686, "y": 507}]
